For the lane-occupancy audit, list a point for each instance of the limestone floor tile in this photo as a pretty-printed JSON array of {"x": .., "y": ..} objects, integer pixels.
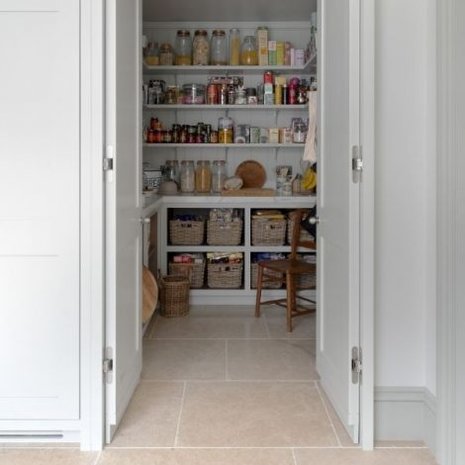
[
  {"x": 210, "y": 323},
  {"x": 256, "y": 414},
  {"x": 197, "y": 457},
  {"x": 351, "y": 456},
  {"x": 152, "y": 416},
  {"x": 303, "y": 326},
  {"x": 49, "y": 456},
  {"x": 183, "y": 359},
  {"x": 282, "y": 359}
]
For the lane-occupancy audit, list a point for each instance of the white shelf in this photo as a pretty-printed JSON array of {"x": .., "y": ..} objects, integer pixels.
[
  {"x": 257, "y": 107},
  {"x": 223, "y": 146},
  {"x": 206, "y": 248}
]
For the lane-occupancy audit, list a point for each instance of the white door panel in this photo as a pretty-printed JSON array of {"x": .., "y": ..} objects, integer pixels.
[{"x": 39, "y": 210}]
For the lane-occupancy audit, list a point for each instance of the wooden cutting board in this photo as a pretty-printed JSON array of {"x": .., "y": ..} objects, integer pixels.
[
  {"x": 252, "y": 173},
  {"x": 250, "y": 192},
  {"x": 149, "y": 295}
]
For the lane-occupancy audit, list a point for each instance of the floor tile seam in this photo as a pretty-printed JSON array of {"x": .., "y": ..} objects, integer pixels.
[
  {"x": 265, "y": 324},
  {"x": 333, "y": 427},
  {"x": 178, "y": 424},
  {"x": 294, "y": 458},
  {"x": 290, "y": 447},
  {"x": 226, "y": 360},
  {"x": 223, "y": 380},
  {"x": 97, "y": 459}
]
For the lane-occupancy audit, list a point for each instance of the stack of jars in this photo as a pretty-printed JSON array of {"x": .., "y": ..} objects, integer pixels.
[{"x": 202, "y": 178}]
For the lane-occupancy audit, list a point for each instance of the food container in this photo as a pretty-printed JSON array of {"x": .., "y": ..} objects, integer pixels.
[
  {"x": 234, "y": 47},
  {"x": 218, "y": 48},
  {"x": 249, "y": 55},
  {"x": 225, "y": 130},
  {"x": 203, "y": 177},
  {"x": 200, "y": 48},
  {"x": 193, "y": 94},
  {"x": 166, "y": 55},
  {"x": 152, "y": 179},
  {"x": 183, "y": 48}
]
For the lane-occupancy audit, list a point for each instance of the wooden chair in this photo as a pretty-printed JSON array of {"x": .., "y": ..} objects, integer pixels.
[{"x": 287, "y": 272}]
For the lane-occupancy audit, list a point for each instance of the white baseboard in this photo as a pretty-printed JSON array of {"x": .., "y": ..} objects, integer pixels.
[{"x": 405, "y": 414}]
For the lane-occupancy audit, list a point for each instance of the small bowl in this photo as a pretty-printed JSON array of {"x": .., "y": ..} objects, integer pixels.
[{"x": 168, "y": 188}]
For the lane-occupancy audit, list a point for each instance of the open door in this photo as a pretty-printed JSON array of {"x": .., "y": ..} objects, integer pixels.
[
  {"x": 339, "y": 201},
  {"x": 124, "y": 230}
]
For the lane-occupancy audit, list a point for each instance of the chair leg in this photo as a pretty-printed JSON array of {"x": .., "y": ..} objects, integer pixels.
[
  {"x": 258, "y": 297},
  {"x": 290, "y": 299}
]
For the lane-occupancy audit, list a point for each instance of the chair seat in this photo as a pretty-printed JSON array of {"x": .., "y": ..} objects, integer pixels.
[{"x": 292, "y": 266}]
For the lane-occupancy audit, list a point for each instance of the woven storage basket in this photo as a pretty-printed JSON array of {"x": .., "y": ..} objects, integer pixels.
[
  {"x": 306, "y": 281},
  {"x": 186, "y": 232},
  {"x": 174, "y": 296},
  {"x": 194, "y": 271},
  {"x": 221, "y": 233},
  {"x": 265, "y": 285},
  {"x": 304, "y": 234},
  {"x": 268, "y": 232},
  {"x": 224, "y": 275}
]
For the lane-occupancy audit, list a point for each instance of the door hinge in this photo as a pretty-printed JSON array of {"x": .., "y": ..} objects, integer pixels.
[
  {"x": 356, "y": 364},
  {"x": 108, "y": 159},
  {"x": 107, "y": 365},
  {"x": 357, "y": 163}
]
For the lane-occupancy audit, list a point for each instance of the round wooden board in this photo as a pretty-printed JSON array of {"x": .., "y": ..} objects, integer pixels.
[
  {"x": 150, "y": 295},
  {"x": 252, "y": 173}
]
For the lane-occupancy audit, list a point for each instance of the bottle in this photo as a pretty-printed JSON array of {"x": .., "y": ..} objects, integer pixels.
[
  {"x": 249, "y": 55},
  {"x": 203, "y": 177},
  {"x": 183, "y": 48},
  {"x": 218, "y": 175},
  {"x": 200, "y": 48},
  {"x": 234, "y": 47},
  {"x": 218, "y": 48},
  {"x": 187, "y": 176}
]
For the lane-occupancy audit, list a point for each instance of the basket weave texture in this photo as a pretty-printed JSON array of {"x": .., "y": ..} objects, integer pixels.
[
  {"x": 194, "y": 271},
  {"x": 268, "y": 232},
  {"x": 221, "y": 233},
  {"x": 306, "y": 281},
  {"x": 186, "y": 232},
  {"x": 304, "y": 234},
  {"x": 174, "y": 296},
  {"x": 265, "y": 284},
  {"x": 224, "y": 275}
]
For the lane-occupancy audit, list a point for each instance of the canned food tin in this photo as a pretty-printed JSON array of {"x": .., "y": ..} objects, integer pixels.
[
  {"x": 268, "y": 77},
  {"x": 212, "y": 94}
]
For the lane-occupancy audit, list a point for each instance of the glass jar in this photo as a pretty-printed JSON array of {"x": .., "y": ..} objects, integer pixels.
[
  {"x": 225, "y": 130},
  {"x": 193, "y": 94},
  {"x": 249, "y": 55},
  {"x": 166, "y": 55},
  {"x": 183, "y": 48},
  {"x": 218, "y": 48},
  {"x": 203, "y": 177},
  {"x": 200, "y": 48},
  {"x": 300, "y": 133},
  {"x": 187, "y": 176},
  {"x": 172, "y": 171},
  {"x": 234, "y": 47},
  {"x": 218, "y": 175},
  {"x": 152, "y": 56}
]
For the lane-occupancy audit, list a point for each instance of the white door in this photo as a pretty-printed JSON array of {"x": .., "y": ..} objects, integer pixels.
[
  {"x": 39, "y": 212},
  {"x": 338, "y": 207},
  {"x": 123, "y": 191}
]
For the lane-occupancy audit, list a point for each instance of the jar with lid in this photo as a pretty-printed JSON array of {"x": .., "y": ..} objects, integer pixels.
[
  {"x": 200, "y": 48},
  {"x": 218, "y": 175},
  {"x": 300, "y": 132},
  {"x": 166, "y": 54},
  {"x": 152, "y": 54},
  {"x": 187, "y": 176},
  {"x": 234, "y": 47},
  {"x": 249, "y": 54},
  {"x": 172, "y": 171},
  {"x": 225, "y": 130},
  {"x": 183, "y": 48},
  {"x": 193, "y": 94},
  {"x": 218, "y": 48},
  {"x": 203, "y": 177}
]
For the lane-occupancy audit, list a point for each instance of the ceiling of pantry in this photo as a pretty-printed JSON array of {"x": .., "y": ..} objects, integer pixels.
[{"x": 228, "y": 10}]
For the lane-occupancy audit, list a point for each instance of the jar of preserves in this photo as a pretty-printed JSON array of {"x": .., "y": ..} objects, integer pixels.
[
  {"x": 249, "y": 54},
  {"x": 203, "y": 177},
  {"x": 225, "y": 130},
  {"x": 218, "y": 48},
  {"x": 200, "y": 48},
  {"x": 166, "y": 54},
  {"x": 183, "y": 48},
  {"x": 218, "y": 175},
  {"x": 187, "y": 176},
  {"x": 234, "y": 47},
  {"x": 193, "y": 94}
]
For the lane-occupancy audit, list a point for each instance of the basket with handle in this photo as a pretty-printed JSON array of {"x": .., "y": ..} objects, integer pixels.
[{"x": 174, "y": 295}]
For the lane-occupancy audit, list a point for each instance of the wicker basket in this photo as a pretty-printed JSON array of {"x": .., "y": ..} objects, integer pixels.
[
  {"x": 268, "y": 232},
  {"x": 221, "y": 233},
  {"x": 224, "y": 275},
  {"x": 306, "y": 281},
  {"x": 304, "y": 234},
  {"x": 186, "y": 232},
  {"x": 174, "y": 296},
  {"x": 194, "y": 271},
  {"x": 265, "y": 285}
]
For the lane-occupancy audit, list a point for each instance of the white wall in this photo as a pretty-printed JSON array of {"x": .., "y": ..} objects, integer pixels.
[{"x": 405, "y": 194}]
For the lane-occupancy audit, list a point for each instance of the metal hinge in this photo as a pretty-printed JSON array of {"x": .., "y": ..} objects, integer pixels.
[
  {"x": 356, "y": 364},
  {"x": 107, "y": 365},
  {"x": 357, "y": 163},
  {"x": 107, "y": 164}
]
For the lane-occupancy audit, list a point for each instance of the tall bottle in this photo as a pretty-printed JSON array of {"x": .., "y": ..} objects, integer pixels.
[{"x": 234, "y": 47}]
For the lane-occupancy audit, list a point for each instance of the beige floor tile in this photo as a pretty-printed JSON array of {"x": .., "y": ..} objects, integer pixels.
[
  {"x": 152, "y": 416},
  {"x": 272, "y": 359},
  {"x": 209, "y": 323},
  {"x": 184, "y": 359},
  {"x": 197, "y": 457},
  {"x": 36, "y": 456},
  {"x": 263, "y": 414},
  {"x": 303, "y": 326},
  {"x": 358, "y": 457},
  {"x": 381, "y": 444}
]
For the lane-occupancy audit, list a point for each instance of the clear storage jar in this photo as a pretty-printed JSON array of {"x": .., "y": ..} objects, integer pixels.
[
  {"x": 183, "y": 48},
  {"x": 200, "y": 48},
  {"x": 225, "y": 130},
  {"x": 249, "y": 54},
  {"x": 218, "y": 48},
  {"x": 203, "y": 177},
  {"x": 187, "y": 176},
  {"x": 218, "y": 175},
  {"x": 166, "y": 55},
  {"x": 234, "y": 47},
  {"x": 193, "y": 94}
]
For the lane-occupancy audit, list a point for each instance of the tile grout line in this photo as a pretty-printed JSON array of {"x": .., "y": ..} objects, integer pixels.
[
  {"x": 178, "y": 425},
  {"x": 97, "y": 459},
  {"x": 293, "y": 455},
  {"x": 226, "y": 364},
  {"x": 267, "y": 329},
  {"x": 327, "y": 414}
]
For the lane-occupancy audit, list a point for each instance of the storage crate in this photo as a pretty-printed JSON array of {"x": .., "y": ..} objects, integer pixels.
[
  {"x": 221, "y": 233},
  {"x": 265, "y": 285},
  {"x": 268, "y": 232},
  {"x": 304, "y": 234},
  {"x": 174, "y": 296},
  {"x": 186, "y": 232},
  {"x": 224, "y": 275},
  {"x": 194, "y": 271}
]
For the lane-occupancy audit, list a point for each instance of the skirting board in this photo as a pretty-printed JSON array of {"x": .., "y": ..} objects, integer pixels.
[{"x": 405, "y": 414}]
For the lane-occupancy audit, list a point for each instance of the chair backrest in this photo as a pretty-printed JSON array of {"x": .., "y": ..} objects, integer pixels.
[{"x": 296, "y": 243}]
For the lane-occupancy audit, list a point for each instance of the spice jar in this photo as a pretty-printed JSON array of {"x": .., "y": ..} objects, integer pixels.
[
  {"x": 218, "y": 48},
  {"x": 166, "y": 55},
  {"x": 187, "y": 176},
  {"x": 234, "y": 47},
  {"x": 200, "y": 48},
  {"x": 183, "y": 48},
  {"x": 218, "y": 175},
  {"x": 203, "y": 177},
  {"x": 249, "y": 55},
  {"x": 225, "y": 130}
]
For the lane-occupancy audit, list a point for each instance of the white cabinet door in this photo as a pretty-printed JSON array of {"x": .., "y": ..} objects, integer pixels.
[
  {"x": 338, "y": 207},
  {"x": 124, "y": 230},
  {"x": 39, "y": 211}
]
